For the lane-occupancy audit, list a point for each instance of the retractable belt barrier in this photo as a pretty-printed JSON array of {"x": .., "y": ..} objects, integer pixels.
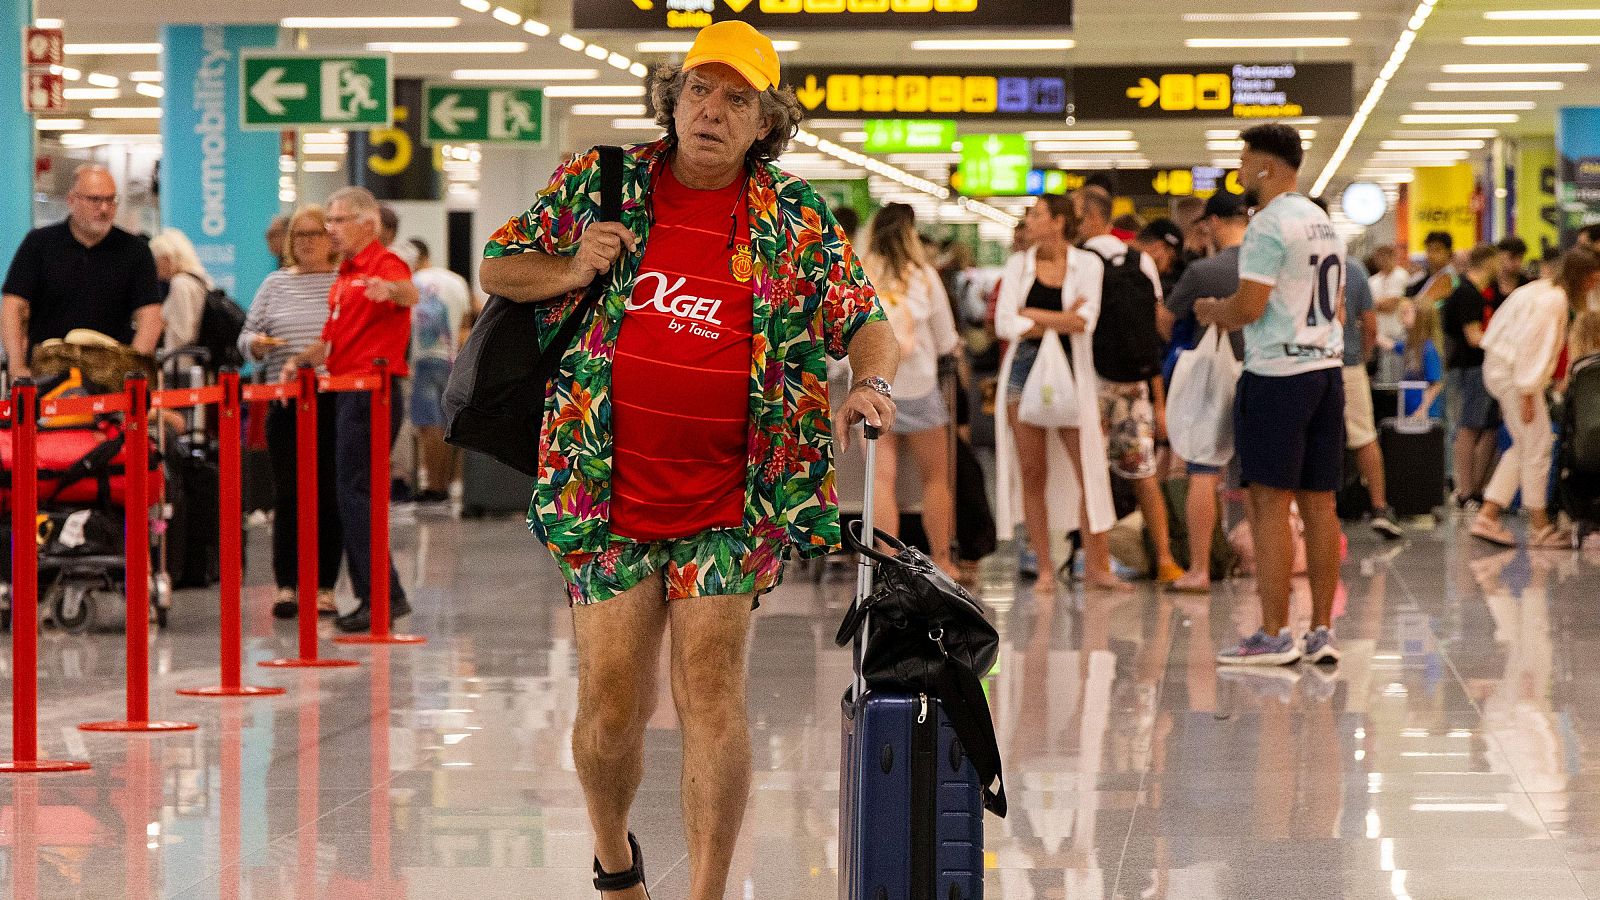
[{"x": 23, "y": 411}]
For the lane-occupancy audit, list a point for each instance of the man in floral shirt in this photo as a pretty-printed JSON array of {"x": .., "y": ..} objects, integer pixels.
[{"x": 686, "y": 447}]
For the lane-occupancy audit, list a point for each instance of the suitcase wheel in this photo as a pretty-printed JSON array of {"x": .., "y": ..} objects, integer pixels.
[{"x": 886, "y": 759}]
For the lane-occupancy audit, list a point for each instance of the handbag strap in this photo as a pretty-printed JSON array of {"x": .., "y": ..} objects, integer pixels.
[
  {"x": 961, "y": 694},
  {"x": 610, "y": 211}
]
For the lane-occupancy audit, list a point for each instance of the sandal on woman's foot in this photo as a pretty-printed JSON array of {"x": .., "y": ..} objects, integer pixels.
[
  {"x": 606, "y": 882},
  {"x": 1167, "y": 573},
  {"x": 1550, "y": 538},
  {"x": 1494, "y": 532},
  {"x": 1191, "y": 583}
]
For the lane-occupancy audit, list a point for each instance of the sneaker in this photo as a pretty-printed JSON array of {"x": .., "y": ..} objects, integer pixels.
[
  {"x": 286, "y": 606},
  {"x": 1386, "y": 525},
  {"x": 1028, "y": 564},
  {"x": 1262, "y": 649},
  {"x": 1319, "y": 647}
]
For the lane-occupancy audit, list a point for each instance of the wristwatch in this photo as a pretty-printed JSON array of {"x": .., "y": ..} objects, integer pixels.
[{"x": 877, "y": 384}]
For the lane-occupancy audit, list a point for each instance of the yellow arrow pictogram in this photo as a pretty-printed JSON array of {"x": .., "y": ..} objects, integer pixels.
[
  {"x": 737, "y": 5},
  {"x": 645, "y": 4},
  {"x": 1147, "y": 93},
  {"x": 811, "y": 96}
]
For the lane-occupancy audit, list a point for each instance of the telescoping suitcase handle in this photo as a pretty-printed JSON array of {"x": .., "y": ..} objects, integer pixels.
[{"x": 864, "y": 567}]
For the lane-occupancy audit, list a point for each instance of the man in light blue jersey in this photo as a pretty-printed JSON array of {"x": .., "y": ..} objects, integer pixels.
[{"x": 1289, "y": 417}]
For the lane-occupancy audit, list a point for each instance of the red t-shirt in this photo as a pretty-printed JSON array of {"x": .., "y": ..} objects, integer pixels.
[
  {"x": 680, "y": 383},
  {"x": 359, "y": 330}
]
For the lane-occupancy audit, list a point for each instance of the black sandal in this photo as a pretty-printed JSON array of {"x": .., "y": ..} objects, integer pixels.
[{"x": 605, "y": 881}]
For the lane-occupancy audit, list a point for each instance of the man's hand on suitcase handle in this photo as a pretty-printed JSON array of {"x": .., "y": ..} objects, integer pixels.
[{"x": 863, "y": 404}]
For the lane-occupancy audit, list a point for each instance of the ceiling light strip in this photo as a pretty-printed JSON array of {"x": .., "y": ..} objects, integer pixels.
[{"x": 1397, "y": 58}]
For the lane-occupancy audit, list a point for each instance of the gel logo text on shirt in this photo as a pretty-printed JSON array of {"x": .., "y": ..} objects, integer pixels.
[{"x": 684, "y": 306}]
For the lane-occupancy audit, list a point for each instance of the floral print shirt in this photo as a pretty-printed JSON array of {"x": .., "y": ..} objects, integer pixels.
[{"x": 810, "y": 298}]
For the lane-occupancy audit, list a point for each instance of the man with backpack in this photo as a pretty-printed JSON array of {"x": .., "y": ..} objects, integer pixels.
[{"x": 1127, "y": 356}]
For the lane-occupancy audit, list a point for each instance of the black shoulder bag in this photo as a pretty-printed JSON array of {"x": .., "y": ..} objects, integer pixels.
[
  {"x": 926, "y": 634},
  {"x": 494, "y": 401}
]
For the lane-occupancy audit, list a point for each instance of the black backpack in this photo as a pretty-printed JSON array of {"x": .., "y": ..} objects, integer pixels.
[
  {"x": 1127, "y": 346},
  {"x": 220, "y": 325}
]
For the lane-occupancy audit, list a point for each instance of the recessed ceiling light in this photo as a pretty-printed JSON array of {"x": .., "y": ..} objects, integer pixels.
[
  {"x": 507, "y": 16},
  {"x": 1078, "y": 135},
  {"x": 1483, "y": 133},
  {"x": 1431, "y": 145},
  {"x": 75, "y": 93},
  {"x": 572, "y": 42},
  {"x": 1474, "y": 105},
  {"x": 594, "y": 90},
  {"x": 536, "y": 27},
  {"x": 144, "y": 76},
  {"x": 58, "y": 124},
  {"x": 112, "y": 49},
  {"x": 525, "y": 74},
  {"x": 476, "y": 5},
  {"x": 607, "y": 109},
  {"x": 1257, "y": 43},
  {"x": 125, "y": 112},
  {"x": 447, "y": 46},
  {"x": 1540, "y": 15},
  {"x": 1085, "y": 146},
  {"x": 1536, "y": 40},
  {"x": 47, "y": 23},
  {"x": 1273, "y": 17},
  {"x": 150, "y": 90},
  {"x": 1512, "y": 68},
  {"x": 1460, "y": 119},
  {"x": 99, "y": 79},
  {"x": 66, "y": 72},
  {"x": 683, "y": 46},
  {"x": 1494, "y": 86},
  {"x": 996, "y": 44},
  {"x": 369, "y": 22}
]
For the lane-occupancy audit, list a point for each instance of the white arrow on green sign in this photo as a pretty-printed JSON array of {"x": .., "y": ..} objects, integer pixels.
[
  {"x": 483, "y": 114},
  {"x": 910, "y": 135},
  {"x": 291, "y": 90}
]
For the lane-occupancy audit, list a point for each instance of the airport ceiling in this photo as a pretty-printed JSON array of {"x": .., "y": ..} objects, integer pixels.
[{"x": 1106, "y": 32}]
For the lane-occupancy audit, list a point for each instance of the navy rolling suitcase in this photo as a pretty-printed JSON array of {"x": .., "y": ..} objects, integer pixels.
[{"x": 910, "y": 801}]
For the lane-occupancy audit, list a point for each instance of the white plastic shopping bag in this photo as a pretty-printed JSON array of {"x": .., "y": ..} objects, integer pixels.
[
  {"x": 1200, "y": 401},
  {"x": 1050, "y": 396}
]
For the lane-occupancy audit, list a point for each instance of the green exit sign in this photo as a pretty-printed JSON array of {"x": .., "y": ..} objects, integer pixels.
[
  {"x": 995, "y": 165},
  {"x": 500, "y": 114},
  {"x": 910, "y": 135},
  {"x": 290, "y": 90}
]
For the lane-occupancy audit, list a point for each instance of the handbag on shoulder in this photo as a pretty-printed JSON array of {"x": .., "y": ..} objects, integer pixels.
[{"x": 494, "y": 401}]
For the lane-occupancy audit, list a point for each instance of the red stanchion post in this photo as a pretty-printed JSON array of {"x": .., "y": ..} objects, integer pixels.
[
  {"x": 231, "y": 539},
  {"x": 25, "y": 590},
  {"x": 306, "y": 476},
  {"x": 136, "y": 566},
  {"x": 381, "y": 408}
]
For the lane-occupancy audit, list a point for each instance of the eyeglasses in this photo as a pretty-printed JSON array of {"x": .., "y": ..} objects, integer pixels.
[
  {"x": 340, "y": 220},
  {"x": 309, "y": 233},
  {"x": 98, "y": 199}
]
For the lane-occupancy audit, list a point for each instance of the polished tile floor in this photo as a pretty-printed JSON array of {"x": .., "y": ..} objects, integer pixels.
[{"x": 1452, "y": 756}]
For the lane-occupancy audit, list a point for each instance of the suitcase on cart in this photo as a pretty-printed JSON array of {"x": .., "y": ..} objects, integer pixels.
[{"x": 910, "y": 804}]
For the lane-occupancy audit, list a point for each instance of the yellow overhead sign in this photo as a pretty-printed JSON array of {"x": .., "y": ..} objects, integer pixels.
[{"x": 949, "y": 93}]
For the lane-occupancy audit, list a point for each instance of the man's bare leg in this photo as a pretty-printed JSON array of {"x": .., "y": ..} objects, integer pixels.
[
  {"x": 1321, "y": 516},
  {"x": 619, "y": 641},
  {"x": 1274, "y": 542},
  {"x": 710, "y": 637}
]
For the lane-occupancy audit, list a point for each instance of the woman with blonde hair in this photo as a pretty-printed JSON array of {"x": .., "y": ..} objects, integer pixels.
[
  {"x": 1057, "y": 478},
  {"x": 178, "y": 266},
  {"x": 1522, "y": 344},
  {"x": 913, "y": 295},
  {"x": 287, "y": 317}
]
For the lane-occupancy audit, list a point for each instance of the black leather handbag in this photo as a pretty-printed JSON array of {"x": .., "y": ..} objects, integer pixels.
[
  {"x": 926, "y": 634},
  {"x": 494, "y": 401}
]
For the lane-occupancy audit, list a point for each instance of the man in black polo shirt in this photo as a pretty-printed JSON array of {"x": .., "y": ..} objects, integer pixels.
[{"x": 82, "y": 273}]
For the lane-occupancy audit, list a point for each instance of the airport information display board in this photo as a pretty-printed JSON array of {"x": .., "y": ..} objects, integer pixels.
[
  {"x": 806, "y": 15},
  {"x": 1254, "y": 91},
  {"x": 941, "y": 93}
]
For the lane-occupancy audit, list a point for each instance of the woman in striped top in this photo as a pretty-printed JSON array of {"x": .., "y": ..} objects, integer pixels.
[{"x": 287, "y": 315}]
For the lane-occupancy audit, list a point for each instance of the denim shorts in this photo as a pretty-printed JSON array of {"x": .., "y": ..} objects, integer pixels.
[{"x": 428, "y": 379}]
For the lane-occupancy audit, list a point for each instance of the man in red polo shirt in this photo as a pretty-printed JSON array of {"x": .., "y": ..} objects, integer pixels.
[{"x": 369, "y": 318}]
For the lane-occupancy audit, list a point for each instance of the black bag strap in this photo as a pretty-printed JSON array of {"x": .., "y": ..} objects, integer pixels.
[
  {"x": 610, "y": 211},
  {"x": 961, "y": 694}
]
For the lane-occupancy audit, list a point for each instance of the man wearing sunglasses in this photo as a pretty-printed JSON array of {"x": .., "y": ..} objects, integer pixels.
[{"x": 82, "y": 273}]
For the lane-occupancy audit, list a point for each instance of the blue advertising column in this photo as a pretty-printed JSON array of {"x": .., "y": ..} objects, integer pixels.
[
  {"x": 16, "y": 131},
  {"x": 219, "y": 184},
  {"x": 1578, "y": 169}
]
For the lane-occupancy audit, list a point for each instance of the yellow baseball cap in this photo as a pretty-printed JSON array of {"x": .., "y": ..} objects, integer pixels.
[{"x": 739, "y": 45}]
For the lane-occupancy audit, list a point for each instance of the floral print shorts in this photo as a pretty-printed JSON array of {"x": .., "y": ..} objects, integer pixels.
[
  {"x": 718, "y": 562},
  {"x": 1130, "y": 425}
]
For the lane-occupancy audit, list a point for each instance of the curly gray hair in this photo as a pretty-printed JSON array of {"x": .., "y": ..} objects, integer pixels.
[{"x": 777, "y": 102}]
